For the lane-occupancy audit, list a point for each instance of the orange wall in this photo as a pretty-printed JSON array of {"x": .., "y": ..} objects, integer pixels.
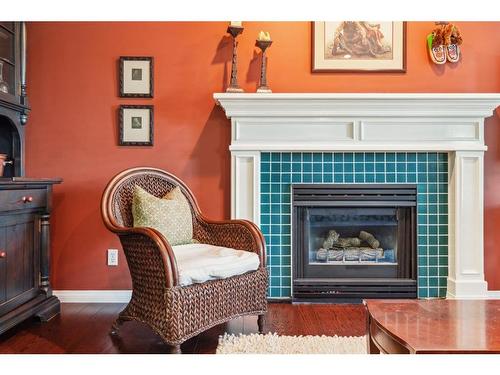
[{"x": 72, "y": 131}]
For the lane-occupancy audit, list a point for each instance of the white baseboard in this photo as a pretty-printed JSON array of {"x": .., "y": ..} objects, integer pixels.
[
  {"x": 494, "y": 294},
  {"x": 123, "y": 296},
  {"x": 93, "y": 296}
]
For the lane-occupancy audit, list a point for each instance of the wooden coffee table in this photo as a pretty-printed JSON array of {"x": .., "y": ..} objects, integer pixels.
[{"x": 433, "y": 326}]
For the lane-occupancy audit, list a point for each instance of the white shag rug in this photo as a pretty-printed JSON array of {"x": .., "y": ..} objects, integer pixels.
[{"x": 272, "y": 343}]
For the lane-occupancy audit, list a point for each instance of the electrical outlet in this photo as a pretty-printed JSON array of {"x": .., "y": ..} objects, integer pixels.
[{"x": 112, "y": 257}]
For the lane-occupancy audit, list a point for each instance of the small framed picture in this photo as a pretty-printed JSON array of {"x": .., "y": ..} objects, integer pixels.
[
  {"x": 136, "y": 77},
  {"x": 359, "y": 46},
  {"x": 136, "y": 125}
]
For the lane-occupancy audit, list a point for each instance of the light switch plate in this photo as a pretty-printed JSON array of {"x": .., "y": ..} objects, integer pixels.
[{"x": 112, "y": 257}]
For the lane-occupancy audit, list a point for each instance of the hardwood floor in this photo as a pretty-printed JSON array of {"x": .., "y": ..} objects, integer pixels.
[{"x": 84, "y": 328}]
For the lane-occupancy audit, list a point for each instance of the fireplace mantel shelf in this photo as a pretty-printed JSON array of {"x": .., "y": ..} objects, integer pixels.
[
  {"x": 355, "y": 122},
  {"x": 358, "y": 104}
]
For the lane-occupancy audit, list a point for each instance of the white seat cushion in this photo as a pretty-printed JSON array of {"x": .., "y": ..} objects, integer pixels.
[{"x": 199, "y": 262}]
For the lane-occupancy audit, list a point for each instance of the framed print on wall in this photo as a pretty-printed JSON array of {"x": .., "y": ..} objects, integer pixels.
[
  {"x": 359, "y": 46},
  {"x": 136, "y": 125},
  {"x": 136, "y": 77}
]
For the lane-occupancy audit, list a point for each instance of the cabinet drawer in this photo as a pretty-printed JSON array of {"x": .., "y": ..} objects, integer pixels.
[{"x": 22, "y": 199}]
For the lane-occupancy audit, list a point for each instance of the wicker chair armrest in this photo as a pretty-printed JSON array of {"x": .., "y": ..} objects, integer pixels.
[
  {"x": 151, "y": 251},
  {"x": 236, "y": 234}
]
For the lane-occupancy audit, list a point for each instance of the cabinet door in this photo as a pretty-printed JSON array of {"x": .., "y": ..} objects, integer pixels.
[{"x": 19, "y": 276}]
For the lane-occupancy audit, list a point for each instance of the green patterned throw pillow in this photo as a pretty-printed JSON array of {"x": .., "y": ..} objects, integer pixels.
[{"x": 170, "y": 215}]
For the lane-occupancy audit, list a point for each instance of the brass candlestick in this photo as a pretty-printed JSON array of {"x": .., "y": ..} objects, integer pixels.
[
  {"x": 233, "y": 84},
  {"x": 263, "y": 45}
]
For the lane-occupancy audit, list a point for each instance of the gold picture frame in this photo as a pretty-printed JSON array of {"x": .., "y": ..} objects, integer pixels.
[{"x": 358, "y": 46}]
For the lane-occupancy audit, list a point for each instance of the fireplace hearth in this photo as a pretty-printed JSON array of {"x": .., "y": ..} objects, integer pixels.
[{"x": 354, "y": 241}]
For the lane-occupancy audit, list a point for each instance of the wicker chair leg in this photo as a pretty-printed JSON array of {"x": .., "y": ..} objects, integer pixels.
[
  {"x": 175, "y": 349},
  {"x": 260, "y": 323},
  {"x": 115, "y": 328}
]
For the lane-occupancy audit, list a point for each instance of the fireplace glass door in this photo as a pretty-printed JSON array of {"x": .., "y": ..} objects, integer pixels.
[{"x": 340, "y": 236}]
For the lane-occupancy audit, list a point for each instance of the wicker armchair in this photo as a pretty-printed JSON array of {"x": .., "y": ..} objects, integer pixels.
[{"x": 175, "y": 312}]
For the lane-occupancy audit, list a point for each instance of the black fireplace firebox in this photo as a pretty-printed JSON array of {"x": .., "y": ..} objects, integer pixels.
[{"x": 354, "y": 241}]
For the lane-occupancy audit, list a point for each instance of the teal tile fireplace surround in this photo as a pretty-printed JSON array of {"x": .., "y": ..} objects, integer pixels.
[{"x": 429, "y": 170}]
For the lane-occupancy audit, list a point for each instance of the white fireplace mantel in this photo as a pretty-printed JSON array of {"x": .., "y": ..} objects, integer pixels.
[{"x": 452, "y": 123}]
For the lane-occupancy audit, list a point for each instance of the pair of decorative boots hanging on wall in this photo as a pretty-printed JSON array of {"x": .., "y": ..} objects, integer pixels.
[{"x": 443, "y": 43}]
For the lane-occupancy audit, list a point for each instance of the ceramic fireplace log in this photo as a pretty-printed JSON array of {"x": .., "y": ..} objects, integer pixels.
[{"x": 369, "y": 239}]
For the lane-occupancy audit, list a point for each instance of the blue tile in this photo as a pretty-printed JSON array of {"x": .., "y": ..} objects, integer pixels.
[
  {"x": 400, "y": 178},
  {"x": 359, "y": 178},
  {"x": 359, "y": 158},
  {"x": 430, "y": 171},
  {"x": 338, "y": 168},
  {"x": 338, "y": 178},
  {"x": 432, "y": 157},
  {"x": 401, "y": 167},
  {"x": 380, "y": 168}
]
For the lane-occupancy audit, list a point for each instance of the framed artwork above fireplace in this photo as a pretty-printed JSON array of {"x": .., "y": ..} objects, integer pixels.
[{"x": 359, "y": 46}]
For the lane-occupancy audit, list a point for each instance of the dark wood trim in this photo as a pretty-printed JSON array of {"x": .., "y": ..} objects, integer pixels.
[
  {"x": 402, "y": 70},
  {"x": 151, "y": 74},
  {"x": 121, "y": 142}
]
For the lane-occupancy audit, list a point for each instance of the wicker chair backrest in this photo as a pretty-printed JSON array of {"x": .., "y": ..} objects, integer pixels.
[{"x": 154, "y": 181}]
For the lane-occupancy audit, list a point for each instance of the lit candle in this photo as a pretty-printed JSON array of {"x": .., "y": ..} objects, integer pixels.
[
  {"x": 264, "y": 36},
  {"x": 235, "y": 23}
]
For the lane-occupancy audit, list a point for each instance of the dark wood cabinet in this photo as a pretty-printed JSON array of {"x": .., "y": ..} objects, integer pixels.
[
  {"x": 25, "y": 204},
  {"x": 14, "y": 106},
  {"x": 25, "y": 290}
]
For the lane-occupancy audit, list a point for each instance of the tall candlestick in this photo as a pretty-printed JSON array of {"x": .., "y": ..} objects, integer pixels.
[
  {"x": 233, "y": 84},
  {"x": 263, "y": 45}
]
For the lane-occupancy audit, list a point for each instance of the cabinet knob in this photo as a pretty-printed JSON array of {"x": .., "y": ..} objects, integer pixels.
[
  {"x": 3, "y": 254},
  {"x": 27, "y": 199}
]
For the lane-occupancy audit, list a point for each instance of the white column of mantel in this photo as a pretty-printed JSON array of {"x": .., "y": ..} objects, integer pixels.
[
  {"x": 466, "y": 244},
  {"x": 245, "y": 185}
]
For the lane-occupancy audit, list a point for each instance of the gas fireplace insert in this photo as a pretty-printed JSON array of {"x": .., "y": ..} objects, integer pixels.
[{"x": 354, "y": 241}]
